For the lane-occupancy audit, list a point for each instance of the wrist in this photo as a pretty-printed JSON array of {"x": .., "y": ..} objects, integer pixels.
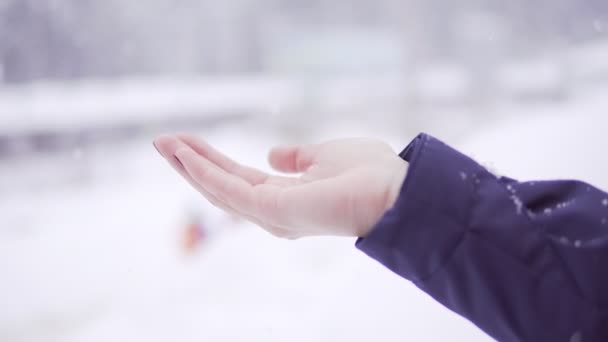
[
  {"x": 392, "y": 191},
  {"x": 396, "y": 184}
]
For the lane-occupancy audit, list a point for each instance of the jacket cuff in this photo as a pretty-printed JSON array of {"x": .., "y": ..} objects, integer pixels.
[{"x": 430, "y": 217}]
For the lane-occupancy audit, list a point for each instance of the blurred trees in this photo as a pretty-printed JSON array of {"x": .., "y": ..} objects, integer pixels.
[{"x": 108, "y": 38}]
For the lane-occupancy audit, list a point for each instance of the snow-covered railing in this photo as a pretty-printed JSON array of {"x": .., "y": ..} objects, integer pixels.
[{"x": 70, "y": 106}]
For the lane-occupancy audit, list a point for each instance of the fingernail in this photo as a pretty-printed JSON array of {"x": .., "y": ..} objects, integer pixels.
[
  {"x": 179, "y": 162},
  {"x": 154, "y": 144}
]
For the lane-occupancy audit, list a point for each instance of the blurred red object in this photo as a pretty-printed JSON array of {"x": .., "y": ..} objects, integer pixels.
[{"x": 193, "y": 237}]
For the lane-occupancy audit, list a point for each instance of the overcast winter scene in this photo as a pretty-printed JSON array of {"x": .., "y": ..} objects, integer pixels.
[{"x": 101, "y": 240}]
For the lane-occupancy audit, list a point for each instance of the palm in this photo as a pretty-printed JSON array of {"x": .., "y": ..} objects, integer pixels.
[{"x": 344, "y": 186}]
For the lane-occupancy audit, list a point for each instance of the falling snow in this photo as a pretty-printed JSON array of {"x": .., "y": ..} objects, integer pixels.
[
  {"x": 491, "y": 169},
  {"x": 519, "y": 205},
  {"x": 77, "y": 154},
  {"x": 206, "y": 277},
  {"x": 463, "y": 176},
  {"x": 276, "y": 109},
  {"x": 577, "y": 337},
  {"x": 598, "y": 26}
]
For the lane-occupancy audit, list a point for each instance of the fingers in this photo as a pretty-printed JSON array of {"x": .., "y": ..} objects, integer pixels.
[
  {"x": 260, "y": 201},
  {"x": 228, "y": 188},
  {"x": 292, "y": 159},
  {"x": 259, "y": 204},
  {"x": 222, "y": 188},
  {"x": 251, "y": 175},
  {"x": 167, "y": 146}
]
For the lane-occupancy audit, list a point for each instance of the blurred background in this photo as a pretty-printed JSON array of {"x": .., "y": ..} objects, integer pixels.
[{"x": 101, "y": 241}]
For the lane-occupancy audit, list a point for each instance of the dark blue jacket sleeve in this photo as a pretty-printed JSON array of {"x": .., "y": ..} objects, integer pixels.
[{"x": 524, "y": 261}]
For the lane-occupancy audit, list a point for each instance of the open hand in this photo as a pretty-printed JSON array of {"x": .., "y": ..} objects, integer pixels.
[{"x": 340, "y": 187}]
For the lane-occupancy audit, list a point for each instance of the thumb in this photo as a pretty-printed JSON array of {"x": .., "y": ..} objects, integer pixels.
[{"x": 292, "y": 159}]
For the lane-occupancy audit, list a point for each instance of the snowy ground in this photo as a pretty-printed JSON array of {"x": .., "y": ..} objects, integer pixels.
[{"x": 99, "y": 261}]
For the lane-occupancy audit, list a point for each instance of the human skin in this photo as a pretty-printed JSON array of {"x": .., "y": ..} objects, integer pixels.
[{"x": 335, "y": 188}]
